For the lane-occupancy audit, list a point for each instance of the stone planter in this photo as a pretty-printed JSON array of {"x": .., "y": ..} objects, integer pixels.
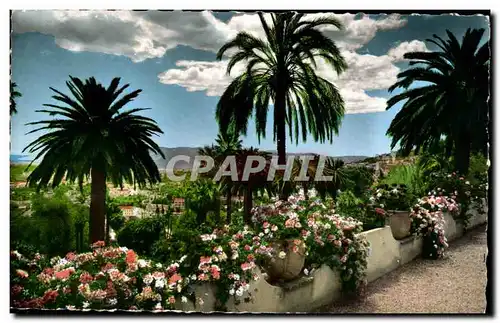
[
  {"x": 400, "y": 224},
  {"x": 289, "y": 267}
]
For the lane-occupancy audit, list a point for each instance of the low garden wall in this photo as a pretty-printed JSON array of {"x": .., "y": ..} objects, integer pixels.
[{"x": 323, "y": 286}]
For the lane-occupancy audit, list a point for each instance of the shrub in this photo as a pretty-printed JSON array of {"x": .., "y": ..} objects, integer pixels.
[
  {"x": 411, "y": 176},
  {"x": 372, "y": 216},
  {"x": 141, "y": 234},
  {"x": 392, "y": 197}
]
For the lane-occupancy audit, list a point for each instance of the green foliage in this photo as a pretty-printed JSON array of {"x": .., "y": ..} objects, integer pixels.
[
  {"x": 19, "y": 173},
  {"x": 411, "y": 176},
  {"x": 349, "y": 205},
  {"x": 131, "y": 200},
  {"x": 201, "y": 197},
  {"x": 51, "y": 227},
  {"x": 22, "y": 193},
  {"x": 360, "y": 179},
  {"x": 141, "y": 234},
  {"x": 452, "y": 103},
  {"x": 115, "y": 216}
]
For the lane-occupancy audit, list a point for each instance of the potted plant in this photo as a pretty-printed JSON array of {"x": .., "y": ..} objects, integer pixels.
[
  {"x": 280, "y": 225},
  {"x": 397, "y": 201}
]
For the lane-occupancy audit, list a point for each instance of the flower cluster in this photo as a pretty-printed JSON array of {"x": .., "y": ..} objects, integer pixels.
[
  {"x": 107, "y": 277},
  {"x": 390, "y": 197},
  {"x": 466, "y": 194},
  {"x": 326, "y": 237},
  {"x": 428, "y": 221}
]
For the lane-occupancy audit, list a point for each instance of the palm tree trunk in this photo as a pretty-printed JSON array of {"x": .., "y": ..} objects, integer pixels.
[
  {"x": 248, "y": 204},
  {"x": 279, "y": 120},
  {"x": 462, "y": 154},
  {"x": 305, "y": 187},
  {"x": 97, "y": 205},
  {"x": 228, "y": 204}
]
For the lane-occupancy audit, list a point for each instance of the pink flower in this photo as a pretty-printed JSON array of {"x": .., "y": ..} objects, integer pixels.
[
  {"x": 343, "y": 259},
  {"x": 205, "y": 260},
  {"x": 174, "y": 279},
  {"x": 265, "y": 225},
  {"x": 379, "y": 211},
  {"x": 250, "y": 257},
  {"x": 17, "y": 289},
  {"x": 215, "y": 272},
  {"x": 50, "y": 296},
  {"x": 171, "y": 300},
  {"x": 21, "y": 273},
  {"x": 98, "y": 244},
  {"x": 70, "y": 256},
  {"x": 247, "y": 248},
  {"x": 290, "y": 223},
  {"x": 64, "y": 274},
  {"x": 131, "y": 257},
  {"x": 85, "y": 278},
  {"x": 247, "y": 266},
  {"x": 202, "y": 277}
]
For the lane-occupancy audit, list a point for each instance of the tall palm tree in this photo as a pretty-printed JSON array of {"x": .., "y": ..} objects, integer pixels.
[
  {"x": 281, "y": 68},
  {"x": 93, "y": 136},
  {"x": 453, "y": 104},
  {"x": 13, "y": 95}
]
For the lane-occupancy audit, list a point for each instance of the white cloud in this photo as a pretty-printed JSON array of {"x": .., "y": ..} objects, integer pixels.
[
  {"x": 138, "y": 35},
  {"x": 397, "y": 53},
  {"x": 149, "y": 34}
]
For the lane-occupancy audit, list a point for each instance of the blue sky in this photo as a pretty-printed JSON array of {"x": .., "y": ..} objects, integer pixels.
[{"x": 171, "y": 56}]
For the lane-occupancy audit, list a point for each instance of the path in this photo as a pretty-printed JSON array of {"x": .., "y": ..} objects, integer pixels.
[{"x": 455, "y": 284}]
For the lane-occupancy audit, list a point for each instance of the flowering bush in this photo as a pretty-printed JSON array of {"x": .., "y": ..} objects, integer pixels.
[
  {"x": 107, "y": 277},
  {"x": 391, "y": 197},
  {"x": 116, "y": 278},
  {"x": 466, "y": 194},
  {"x": 428, "y": 222},
  {"x": 328, "y": 238}
]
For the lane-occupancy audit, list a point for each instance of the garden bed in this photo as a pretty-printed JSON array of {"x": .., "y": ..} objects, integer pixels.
[{"x": 323, "y": 286}]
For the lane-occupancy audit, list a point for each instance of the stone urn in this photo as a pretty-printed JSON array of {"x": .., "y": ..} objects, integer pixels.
[
  {"x": 400, "y": 223},
  {"x": 287, "y": 266}
]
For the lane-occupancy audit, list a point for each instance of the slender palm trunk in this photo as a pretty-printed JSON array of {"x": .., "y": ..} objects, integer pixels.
[
  {"x": 279, "y": 120},
  {"x": 305, "y": 187},
  {"x": 228, "y": 204},
  {"x": 248, "y": 204},
  {"x": 462, "y": 154},
  {"x": 97, "y": 205}
]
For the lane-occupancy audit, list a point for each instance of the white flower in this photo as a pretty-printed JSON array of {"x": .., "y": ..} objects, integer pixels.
[
  {"x": 124, "y": 249},
  {"x": 234, "y": 256},
  {"x": 261, "y": 234},
  {"x": 266, "y": 231},
  {"x": 160, "y": 283},
  {"x": 239, "y": 292},
  {"x": 467, "y": 182},
  {"x": 231, "y": 291},
  {"x": 282, "y": 254},
  {"x": 158, "y": 265},
  {"x": 86, "y": 304},
  {"x": 182, "y": 258},
  {"x": 193, "y": 277},
  {"x": 306, "y": 272},
  {"x": 236, "y": 277},
  {"x": 148, "y": 279},
  {"x": 327, "y": 226},
  {"x": 179, "y": 288},
  {"x": 379, "y": 194},
  {"x": 142, "y": 263},
  {"x": 112, "y": 301},
  {"x": 200, "y": 301},
  {"x": 158, "y": 306},
  {"x": 184, "y": 299}
]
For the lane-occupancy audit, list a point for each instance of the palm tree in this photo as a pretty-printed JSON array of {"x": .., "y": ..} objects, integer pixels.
[
  {"x": 256, "y": 181},
  {"x": 93, "y": 136},
  {"x": 281, "y": 68},
  {"x": 453, "y": 105},
  {"x": 13, "y": 95},
  {"x": 227, "y": 144}
]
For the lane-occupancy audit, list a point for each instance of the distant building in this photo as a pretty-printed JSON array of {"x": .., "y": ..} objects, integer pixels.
[{"x": 131, "y": 212}]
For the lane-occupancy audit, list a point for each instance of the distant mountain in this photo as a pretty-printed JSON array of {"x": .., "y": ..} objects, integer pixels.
[
  {"x": 193, "y": 151},
  {"x": 20, "y": 159}
]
